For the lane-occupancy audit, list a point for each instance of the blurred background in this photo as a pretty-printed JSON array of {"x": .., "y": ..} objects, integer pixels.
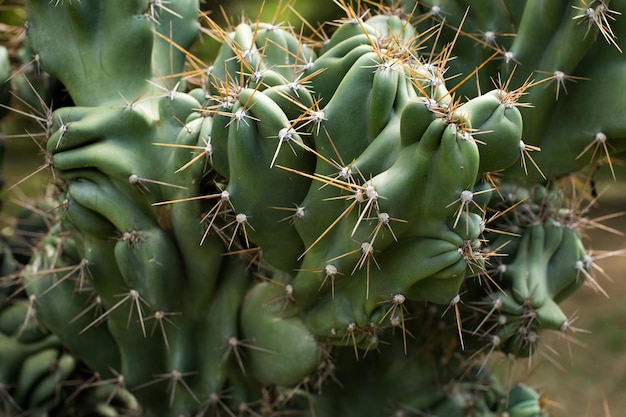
[{"x": 582, "y": 376}]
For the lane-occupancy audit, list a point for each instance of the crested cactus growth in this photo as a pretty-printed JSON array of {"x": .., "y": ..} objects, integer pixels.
[{"x": 309, "y": 226}]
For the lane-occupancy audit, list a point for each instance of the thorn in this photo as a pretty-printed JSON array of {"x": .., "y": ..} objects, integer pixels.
[
  {"x": 161, "y": 319},
  {"x": 454, "y": 303},
  {"x": 233, "y": 346},
  {"x": 397, "y": 304},
  {"x": 174, "y": 379},
  {"x": 525, "y": 153},
  {"x": 135, "y": 302},
  {"x": 139, "y": 182}
]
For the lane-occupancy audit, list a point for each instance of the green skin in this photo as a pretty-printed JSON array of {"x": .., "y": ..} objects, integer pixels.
[
  {"x": 570, "y": 43},
  {"x": 95, "y": 70},
  {"x": 180, "y": 315},
  {"x": 542, "y": 266},
  {"x": 98, "y": 159},
  {"x": 33, "y": 364}
]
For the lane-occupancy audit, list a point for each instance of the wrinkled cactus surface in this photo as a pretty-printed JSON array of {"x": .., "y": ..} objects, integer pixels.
[{"x": 347, "y": 223}]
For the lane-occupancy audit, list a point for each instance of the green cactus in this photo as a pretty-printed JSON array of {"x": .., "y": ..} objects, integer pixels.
[
  {"x": 38, "y": 375},
  {"x": 324, "y": 228}
]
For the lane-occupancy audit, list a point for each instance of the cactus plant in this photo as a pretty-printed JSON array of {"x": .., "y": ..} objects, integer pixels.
[{"x": 306, "y": 225}]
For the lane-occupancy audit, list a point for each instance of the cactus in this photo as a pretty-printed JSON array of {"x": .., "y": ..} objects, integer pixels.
[
  {"x": 38, "y": 375},
  {"x": 307, "y": 226}
]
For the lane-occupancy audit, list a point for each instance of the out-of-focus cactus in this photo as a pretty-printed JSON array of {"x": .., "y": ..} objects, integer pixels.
[
  {"x": 333, "y": 227},
  {"x": 38, "y": 376}
]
